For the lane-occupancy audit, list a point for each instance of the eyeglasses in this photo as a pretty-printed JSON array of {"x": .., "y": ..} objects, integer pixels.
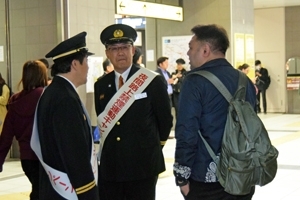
[{"x": 116, "y": 49}]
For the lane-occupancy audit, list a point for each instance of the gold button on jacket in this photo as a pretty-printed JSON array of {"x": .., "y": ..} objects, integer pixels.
[{"x": 118, "y": 138}]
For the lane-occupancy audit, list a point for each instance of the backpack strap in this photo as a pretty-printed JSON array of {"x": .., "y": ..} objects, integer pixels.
[
  {"x": 209, "y": 149},
  {"x": 216, "y": 82}
]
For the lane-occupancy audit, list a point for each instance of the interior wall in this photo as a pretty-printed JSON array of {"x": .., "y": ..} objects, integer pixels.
[
  {"x": 3, "y": 66},
  {"x": 292, "y": 31},
  {"x": 33, "y": 32},
  {"x": 270, "y": 49}
]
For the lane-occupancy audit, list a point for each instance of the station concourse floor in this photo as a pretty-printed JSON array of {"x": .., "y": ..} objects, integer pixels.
[{"x": 284, "y": 131}]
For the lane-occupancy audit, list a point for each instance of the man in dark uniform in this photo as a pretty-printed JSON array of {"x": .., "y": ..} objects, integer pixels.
[
  {"x": 131, "y": 157},
  {"x": 63, "y": 125}
]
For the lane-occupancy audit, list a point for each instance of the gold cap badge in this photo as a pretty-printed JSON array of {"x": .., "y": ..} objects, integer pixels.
[{"x": 118, "y": 33}]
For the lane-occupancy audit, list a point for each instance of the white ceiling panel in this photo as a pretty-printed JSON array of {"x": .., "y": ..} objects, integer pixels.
[{"x": 275, "y": 3}]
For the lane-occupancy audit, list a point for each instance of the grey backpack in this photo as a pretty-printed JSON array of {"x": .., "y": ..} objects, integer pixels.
[{"x": 247, "y": 157}]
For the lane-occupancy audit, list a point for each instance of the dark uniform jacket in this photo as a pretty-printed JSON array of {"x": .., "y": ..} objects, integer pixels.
[
  {"x": 132, "y": 149},
  {"x": 65, "y": 138}
]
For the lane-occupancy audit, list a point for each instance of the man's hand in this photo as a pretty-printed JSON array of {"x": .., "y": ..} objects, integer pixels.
[
  {"x": 185, "y": 189},
  {"x": 170, "y": 81},
  {"x": 178, "y": 75}
]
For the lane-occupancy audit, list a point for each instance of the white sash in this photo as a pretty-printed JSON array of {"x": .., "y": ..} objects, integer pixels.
[
  {"x": 60, "y": 180},
  {"x": 122, "y": 100}
]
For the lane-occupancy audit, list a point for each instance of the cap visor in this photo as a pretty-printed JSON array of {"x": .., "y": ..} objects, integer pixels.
[{"x": 90, "y": 53}]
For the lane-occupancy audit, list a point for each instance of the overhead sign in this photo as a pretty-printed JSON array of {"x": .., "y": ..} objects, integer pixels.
[{"x": 146, "y": 9}]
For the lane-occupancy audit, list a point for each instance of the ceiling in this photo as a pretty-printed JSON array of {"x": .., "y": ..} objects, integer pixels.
[{"x": 275, "y": 3}]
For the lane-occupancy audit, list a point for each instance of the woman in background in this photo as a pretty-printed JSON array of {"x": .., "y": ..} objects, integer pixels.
[
  {"x": 4, "y": 96},
  {"x": 245, "y": 69},
  {"x": 19, "y": 121},
  {"x": 45, "y": 61}
]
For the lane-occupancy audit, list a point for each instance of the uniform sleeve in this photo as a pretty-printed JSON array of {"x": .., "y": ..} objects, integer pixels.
[
  {"x": 162, "y": 109},
  {"x": 73, "y": 140},
  {"x": 96, "y": 98}
]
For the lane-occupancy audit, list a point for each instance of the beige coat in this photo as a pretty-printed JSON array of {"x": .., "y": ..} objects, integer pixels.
[{"x": 3, "y": 102}]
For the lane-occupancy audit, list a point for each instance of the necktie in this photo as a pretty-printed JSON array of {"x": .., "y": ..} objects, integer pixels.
[{"x": 121, "y": 83}]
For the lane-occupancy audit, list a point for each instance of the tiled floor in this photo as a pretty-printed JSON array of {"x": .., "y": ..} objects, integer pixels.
[{"x": 284, "y": 131}]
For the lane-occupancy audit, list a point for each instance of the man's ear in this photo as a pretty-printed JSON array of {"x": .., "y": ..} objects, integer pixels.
[
  {"x": 74, "y": 64},
  {"x": 206, "y": 49}
]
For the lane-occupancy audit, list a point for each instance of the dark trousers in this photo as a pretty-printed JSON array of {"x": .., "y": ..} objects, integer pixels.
[
  {"x": 263, "y": 93},
  {"x": 212, "y": 191},
  {"x": 171, "y": 100},
  {"x": 175, "y": 101},
  {"x": 130, "y": 190},
  {"x": 31, "y": 170}
]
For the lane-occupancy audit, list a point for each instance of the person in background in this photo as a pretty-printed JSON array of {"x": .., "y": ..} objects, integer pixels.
[
  {"x": 162, "y": 66},
  {"x": 131, "y": 157},
  {"x": 62, "y": 138},
  {"x": 45, "y": 61},
  {"x": 4, "y": 97},
  {"x": 138, "y": 57},
  {"x": 107, "y": 67},
  {"x": 179, "y": 73},
  {"x": 19, "y": 121},
  {"x": 245, "y": 69},
  {"x": 202, "y": 107},
  {"x": 262, "y": 84}
]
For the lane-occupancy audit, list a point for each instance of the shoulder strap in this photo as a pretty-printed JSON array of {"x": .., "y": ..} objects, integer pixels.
[{"x": 216, "y": 82}]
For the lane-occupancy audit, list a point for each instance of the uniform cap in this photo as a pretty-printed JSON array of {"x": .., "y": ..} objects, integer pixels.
[
  {"x": 118, "y": 33},
  {"x": 70, "y": 46}
]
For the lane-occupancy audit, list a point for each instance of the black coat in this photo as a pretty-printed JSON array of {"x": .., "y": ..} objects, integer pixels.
[
  {"x": 132, "y": 149},
  {"x": 177, "y": 86},
  {"x": 263, "y": 81},
  {"x": 65, "y": 138}
]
